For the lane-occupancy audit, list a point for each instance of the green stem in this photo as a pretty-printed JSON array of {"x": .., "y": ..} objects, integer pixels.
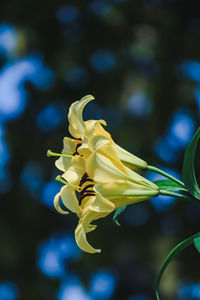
[
  {"x": 172, "y": 194},
  {"x": 154, "y": 169}
]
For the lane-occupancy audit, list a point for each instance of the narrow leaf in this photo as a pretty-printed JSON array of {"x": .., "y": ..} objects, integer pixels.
[
  {"x": 168, "y": 185},
  {"x": 172, "y": 254},
  {"x": 197, "y": 244},
  {"x": 189, "y": 176},
  {"x": 117, "y": 213}
]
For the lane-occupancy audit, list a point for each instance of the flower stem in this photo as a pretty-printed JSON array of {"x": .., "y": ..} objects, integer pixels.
[
  {"x": 172, "y": 194},
  {"x": 154, "y": 169}
]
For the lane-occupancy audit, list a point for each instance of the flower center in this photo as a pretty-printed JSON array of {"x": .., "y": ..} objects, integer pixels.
[{"x": 88, "y": 188}]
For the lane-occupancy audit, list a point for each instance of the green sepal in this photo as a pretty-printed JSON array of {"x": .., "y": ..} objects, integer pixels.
[
  {"x": 117, "y": 213},
  {"x": 168, "y": 185},
  {"x": 189, "y": 176},
  {"x": 172, "y": 254}
]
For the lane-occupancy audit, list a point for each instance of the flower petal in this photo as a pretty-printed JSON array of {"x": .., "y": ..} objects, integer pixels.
[
  {"x": 75, "y": 171},
  {"x": 70, "y": 200},
  {"x": 94, "y": 127},
  {"x": 57, "y": 205},
  {"x": 123, "y": 192},
  {"x": 81, "y": 240},
  {"x": 76, "y": 123},
  {"x": 102, "y": 169},
  {"x": 131, "y": 160},
  {"x": 105, "y": 146},
  {"x": 69, "y": 147}
]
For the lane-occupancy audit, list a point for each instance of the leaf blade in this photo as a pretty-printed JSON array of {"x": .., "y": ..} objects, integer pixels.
[
  {"x": 172, "y": 254},
  {"x": 188, "y": 173},
  {"x": 168, "y": 185}
]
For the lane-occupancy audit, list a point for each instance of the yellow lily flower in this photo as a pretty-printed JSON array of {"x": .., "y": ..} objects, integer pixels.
[
  {"x": 104, "y": 185},
  {"x": 93, "y": 166}
]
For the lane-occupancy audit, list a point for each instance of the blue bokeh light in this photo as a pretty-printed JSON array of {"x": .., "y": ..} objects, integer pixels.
[
  {"x": 78, "y": 78},
  {"x": 4, "y": 152},
  {"x": 102, "y": 61},
  {"x": 13, "y": 97},
  {"x": 8, "y": 41},
  {"x": 50, "y": 117},
  {"x": 136, "y": 215},
  {"x": 191, "y": 69},
  {"x": 102, "y": 285},
  {"x": 67, "y": 14},
  {"x": 139, "y": 105},
  {"x": 197, "y": 96},
  {"x": 72, "y": 290},
  {"x": 48, "y": 193},
  {"x": 8, "y": 291},
  {"x": 54, "y": 253},
  {"x": 100, "y": 7},
  {"x": 182, "y": 127},
  {"x": 32, "y": 178},
  {"x": 179, "y": 134},
  {"x": 189, "y": 291}
]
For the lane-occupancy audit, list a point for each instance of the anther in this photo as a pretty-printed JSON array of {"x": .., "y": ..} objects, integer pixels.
[
  {"x": 76, "y": 150},
  {"x": 84, "y": 179}
]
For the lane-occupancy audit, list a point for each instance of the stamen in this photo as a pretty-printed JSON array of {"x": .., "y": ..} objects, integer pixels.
[
  {"x": 50, "y": 153},
  {"x": 85, "y": 189},
  {"x": 76, "y": 150},
  {"x": 60, "y": 179},
  {"x": 84, "y": 179}
]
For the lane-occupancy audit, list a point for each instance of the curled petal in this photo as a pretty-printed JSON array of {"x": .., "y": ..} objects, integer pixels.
[
  {"x": 91, "y": 227},
  {"x": 81, "y": 240},
  {"x": 70, "y": 200},
  {"x": 57, "y": 205},
  {"x": 76, "y": 123},
  {"x": 95, "y": 127}
]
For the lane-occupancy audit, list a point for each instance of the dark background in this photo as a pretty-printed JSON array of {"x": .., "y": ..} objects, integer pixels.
[{"x": 141, "y": 61}]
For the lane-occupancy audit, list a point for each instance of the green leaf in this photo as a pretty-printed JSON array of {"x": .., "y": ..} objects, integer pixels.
[
  {"x": 197, "y": 244},
  {"x": 189, "y": 176},
  {"x": 168, "y": 185},
  {"x": 117, "y": 213},
  {"x": 172, "y": 254}
]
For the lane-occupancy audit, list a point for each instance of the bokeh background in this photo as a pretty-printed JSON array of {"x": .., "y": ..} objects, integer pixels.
[{"x": 141, "y": 60}]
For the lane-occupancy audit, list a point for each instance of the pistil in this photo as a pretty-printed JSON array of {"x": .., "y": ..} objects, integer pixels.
[
  {"x": 60, "y": 179},
  {"x": 50, "y": 153}
]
